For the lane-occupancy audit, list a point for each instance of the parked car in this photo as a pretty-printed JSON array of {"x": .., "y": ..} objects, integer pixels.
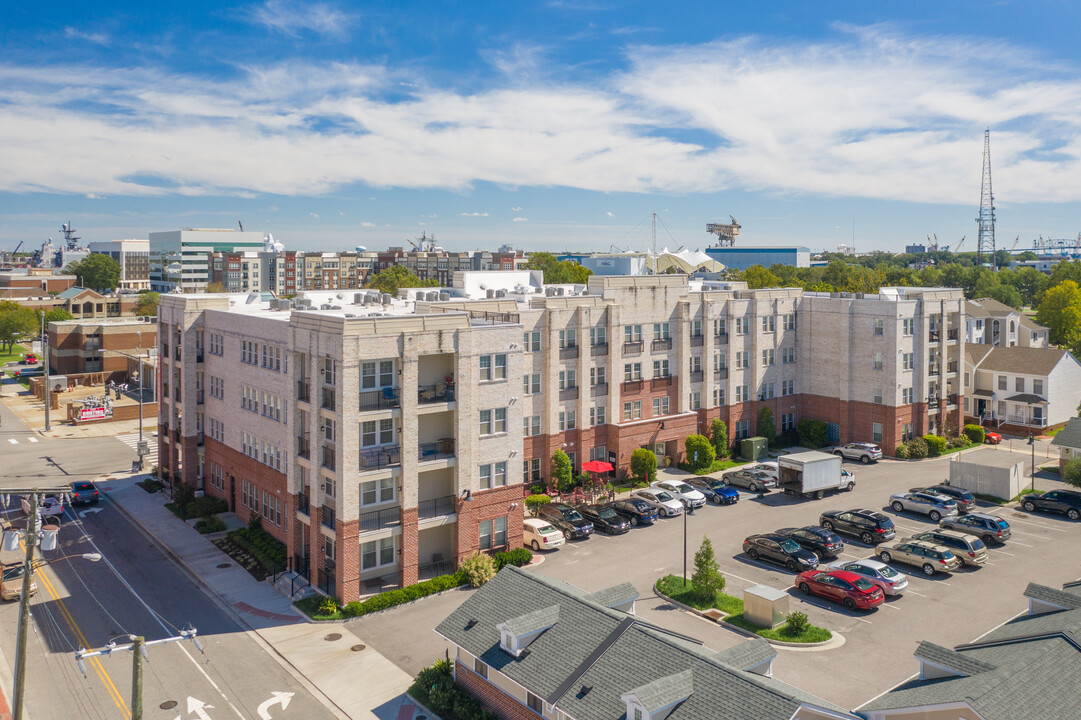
[
  {"x": 989, "y": 528},
  {"x": 933, "y": 506},
  {"x": 1058, "y": 501},
  {"x": 716, "y": 491},
  {"x": 824, "y": 543},
  {"x": 540, "y": 534},
  {"x": 83, "y": 493},
  {"x": 870, "y": 526},
  {"x": 688, "y": 495},
  {"x": 969, "y": 549},
  {"x": 11, "y": 582},
  {"x": 965, "y": 500},
  {"x": 752, "y": 480},
  {"x": 992, "y": 438},
  {"x": 567, "y": 519},
  {"x": 769, "y": 468},
  {"x": 857, "y": 593},
  {"x": 636, "y": 510},
  {"x": 927, "y": 556},
  {"x": 779, "y": 549},
  {"x": 30, "y": 359},
  {"x": 881, "y": 574},
  {"x": 865, "y": 452},
  {"x": 50, "y": 509},
  {"x": 662, "y": 501},
  {"x": 605, "y": 519}
]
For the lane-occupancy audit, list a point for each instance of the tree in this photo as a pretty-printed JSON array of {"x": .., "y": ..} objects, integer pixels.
[
  {"x": 1007, "y": 295},
  {"x": 96, "y": 271},
  {"x": 15, "y": 322},
  {"x": 707, "y": 578},
  {"x": 147, "y": 303},
  {"x": 700, "y": 453},
  {"x": 1071, "y": 472},
  {"x": 767, "y": 428},
  {"x": 215, "y": 287},
  {"x": 558, "y": 271},
  {"x": 395, "y": 277},
  {"x": 55, "y": 315},
  {"x": 644, "y": 465},
  {"x": 813, "y": 433},
  {"x": 757, "y": 277},
  {"x": 1060, "y": 311},
  {"x": 718, "y": 435},
  {"x": 562, "y": 472}
]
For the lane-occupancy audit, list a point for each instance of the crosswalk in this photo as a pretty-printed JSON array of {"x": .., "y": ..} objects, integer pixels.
[
  {"x": 15, "y": 441},
  {"x": 132, "y": 441}
]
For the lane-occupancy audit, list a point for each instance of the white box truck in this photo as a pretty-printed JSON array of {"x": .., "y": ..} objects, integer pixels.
[{"x": 812, "y": 473}]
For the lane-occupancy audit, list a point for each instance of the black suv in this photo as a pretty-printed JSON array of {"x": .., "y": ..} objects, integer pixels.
[
  {"x": 965, "y": 500},
  {"x": 989, "y": 528},
  {"x": 605, "y": 519},
  {"x": 567, "y": 519},
  {"x": 781, "y": 550},
  {"x": 1060, "y": 501},
  {"x": 822, "y": 542},
  {"x": 869, "y": 526}
]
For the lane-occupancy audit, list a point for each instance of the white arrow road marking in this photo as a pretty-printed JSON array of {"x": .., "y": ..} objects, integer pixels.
[
  {"x": 89, "y": 511},
  {"x": 281, "y": 698},
  {"x": 199, "y": 708}
]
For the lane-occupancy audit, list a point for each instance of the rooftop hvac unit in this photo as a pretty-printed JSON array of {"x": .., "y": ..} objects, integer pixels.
[
  {"x": 335, "y": 307},
  {"x": 490, "y": 292},
  {"x": 325, "y": 306},
  {"x": 549, "y": 291},
  {"x": 303, "y": 303},
  {"x": 444, "y": 296},
  {"x": 501, "y": 293},
  {"x": 561, "y": 291},
  {"x": 387, "y": 299},
  {"x": 358, "y": 298}
]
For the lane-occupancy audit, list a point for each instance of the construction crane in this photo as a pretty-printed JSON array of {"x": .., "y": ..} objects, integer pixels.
[
  {"x": 16, "y": 250},
  {"x": 241, "y": 225},
  {"x": 960, "y": 245},
  {"x": 725, "y": 232},
  {"x": 933, "y": 244},
  {"x": 1015, "y": 241}
]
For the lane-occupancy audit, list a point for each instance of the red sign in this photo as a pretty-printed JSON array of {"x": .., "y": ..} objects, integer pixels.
[{"x": 97, "y": 413}]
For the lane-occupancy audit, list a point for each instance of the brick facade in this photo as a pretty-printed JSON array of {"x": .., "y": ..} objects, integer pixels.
[
  {"x": 238, "y": 468},
  {"x": 491, "y": 698}
]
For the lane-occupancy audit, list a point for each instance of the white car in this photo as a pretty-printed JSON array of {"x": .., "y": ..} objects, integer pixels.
[
  {"x": 666, "y": 504},
  {"x": 769, "y": 468},
  {"x": 881, "y": 574},
  {"x": 687, "y": 494},
  {"x": 933, "y": 506},
  {"x": 49, "y": 509},
  {"x": 540, "y": 534}
]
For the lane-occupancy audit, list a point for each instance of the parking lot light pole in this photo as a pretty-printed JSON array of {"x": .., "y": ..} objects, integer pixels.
[
  {"x": 688, "y": 510},
  {"x": 1032, "y": 444}
]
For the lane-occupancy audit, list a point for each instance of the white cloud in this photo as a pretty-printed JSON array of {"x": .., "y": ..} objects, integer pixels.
[
  {"x": 292, "y": 16},
  {"x": 516, "y": 209},
  {"x": 474, "y": 214},
  {"x": 608, "y": 213},
  {"x": 314, "y": 215},
  {"x": 97, "y": 38},
  {"x": 520, "y": 219},
  {"x": 368, "y": 224},
  {"x": 92, "y": 196}
]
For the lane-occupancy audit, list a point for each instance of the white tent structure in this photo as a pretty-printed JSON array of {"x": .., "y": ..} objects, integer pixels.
[{"x": 683, "y": 261}]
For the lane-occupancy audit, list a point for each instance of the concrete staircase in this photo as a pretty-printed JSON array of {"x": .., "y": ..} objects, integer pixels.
[{"x": 294, "y": 586}]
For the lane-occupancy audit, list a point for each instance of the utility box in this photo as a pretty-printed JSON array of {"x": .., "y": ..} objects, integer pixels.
[
  {"x": 753, "y": 448},
  {"x": 765, "y": 606}
]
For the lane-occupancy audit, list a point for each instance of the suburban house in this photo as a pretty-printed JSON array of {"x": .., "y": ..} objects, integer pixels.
[
  {"x": 1028, "y": 668},
  {"x": 993, "y": 323},
  {"x": 529, "y": 646},
  {"x": 1020, "y": 390},
  {"x": 1068, "y": 441}
]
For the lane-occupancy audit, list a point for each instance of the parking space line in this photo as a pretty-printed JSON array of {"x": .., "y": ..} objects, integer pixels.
[
  {"x": 1009, "y": 553},
  {"x": 886, "y": 604},
  {"x": 827, "y": 608},
  {"x": 1039, "y": 525},
  {"x": 1015, "y": 531},
  {"x": 753, "y": 582},
  {"x": 910, "y": 590}
]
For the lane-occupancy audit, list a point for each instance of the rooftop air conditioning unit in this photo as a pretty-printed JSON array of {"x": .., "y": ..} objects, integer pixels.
[
  {"x": 490, "y": 292},
  {"x": 387, "y": 298},
  {"x": 561, "y": 291},
  {"x": 444, "y": 296},
  {"x": 325, "y": 306},
  {"x": 549, "y": 291},
  {"x": 358, "y": 298}
]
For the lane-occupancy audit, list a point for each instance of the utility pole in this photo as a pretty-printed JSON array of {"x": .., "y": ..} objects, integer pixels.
[
  {"x": 45, "y": 354},
  {"x": 24, "y": 609},
  {"x": 137, "y": 650}
]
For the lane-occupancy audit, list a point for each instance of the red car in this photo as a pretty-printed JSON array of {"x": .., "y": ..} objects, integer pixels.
[
  {"x": 992, "y": 438},
  {"x": 30, "y": 359},
  {"x": 841, "y": 586}
]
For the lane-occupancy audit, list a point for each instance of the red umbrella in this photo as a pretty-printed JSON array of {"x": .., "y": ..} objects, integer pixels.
[{"x": 597, "y": 466}]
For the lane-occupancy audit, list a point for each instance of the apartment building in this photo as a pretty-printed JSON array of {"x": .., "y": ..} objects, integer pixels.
[
  {"x": 133, "y": 257},
  {"x": 991, "y": 322},
  {"x": 1020, "y": 390},
  {"x": 179, "y": 258}
]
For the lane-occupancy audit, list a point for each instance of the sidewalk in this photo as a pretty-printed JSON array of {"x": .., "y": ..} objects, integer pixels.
[{"x": 331, "y": 667}]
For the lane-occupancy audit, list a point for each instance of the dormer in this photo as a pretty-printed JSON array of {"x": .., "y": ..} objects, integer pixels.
[
  {"x": 1043, "y": 599},
  {"x": 939, "y": 662},
  {"x": 619, "y": 597},
  {"x": 657, "y": 700},
  {"x": 516, "y": 634}
]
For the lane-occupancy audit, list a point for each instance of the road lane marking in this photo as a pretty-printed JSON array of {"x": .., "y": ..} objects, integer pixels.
[
  {"x": 32, "y": 439},
  {"x": 13, "y": 441}
]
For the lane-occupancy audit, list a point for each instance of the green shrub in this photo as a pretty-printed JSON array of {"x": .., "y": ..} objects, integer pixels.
[
  {"x": 644, "y": 465},
  {"x": 901, "y": 453},
  {"x": 183, "y": 494},
  {"x": 707, "y": 577},
  {"x": 975, "y": 433},
  {"x": 353, "y": 609},
  {"x": 562, "y": 472},
  {"x": 718, "y": 435},
  {"x": 536, "y": 501},
  {"x": 935, "y": 445},
  {"x": 767, "y": 427},
  {"x": 518, "y": 558},
  {"x": 329, "y": 606},
  {"x": 478, "y": 569},
  {"x": 212, "y": 524},
  {"x": 813, "y": 433},
  {"x": 796, "y": 623},
  {"x": 917, "y": 448},
  {"x": 1071, "y": 472},
  {"x": 206, "y": 506},
  {"x": 700, "y": 452}
]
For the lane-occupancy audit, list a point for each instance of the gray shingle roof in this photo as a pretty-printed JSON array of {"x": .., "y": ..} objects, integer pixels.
[
  {"x": 533, "y": 621},
  {"x": 616, "y": 595},
  {"x": 951, "y": 659},
  {"x": 747, "y": 655},
  {"x": 665, "y": 691},
  {"x": 1069, "y": 436},
  {"x": 1052, "y": 596},
  {"x": 1024, "y": 360},
  {"x": 987, "y": 307},
  {"x": 632, "y": 654}
]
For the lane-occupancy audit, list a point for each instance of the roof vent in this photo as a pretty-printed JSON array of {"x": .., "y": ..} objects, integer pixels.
[
  {"x": 472, "y": 622},
  {"x": 387, "y": 298}
]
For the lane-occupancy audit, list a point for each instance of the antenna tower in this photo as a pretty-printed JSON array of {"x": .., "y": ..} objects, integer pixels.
[{"x": 986, "y": 220}]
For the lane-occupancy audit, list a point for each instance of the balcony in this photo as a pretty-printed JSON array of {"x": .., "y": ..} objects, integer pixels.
[
  {"x": 632, "y": 347},
  {"x": 934, "y": 335},
  {"x": 438, "y": 450},
  {"x": 952, "y": 367},
  {"x": 721, "y": 338},
  {"x": 438, "y": 393},
  {"x": 568, "y": 353},
  {"x": 570, "y": 393},
  {"x": 933, "y": 369},
  {"x": 176, "y": 352},
  {"x": 951, "y": 400},
  {"x": 328, "y": 457},
  {"x": 661, "y": 344},
  {"x": 697, "y": 340},
  {"x": 433, "y": 569},
  {"x": 952, "y": 335},
  {"x": 304, "y": 503},
  {"x": 380, "y": 457},
  {"x": 329, "y": 399},
  {"x": 598, "y": 390},
  {"x": 632, "y": 385},
  {"x": 660, "y": 382},
  {"x": 199, "y": 398},
  {"x": 303, "y": 391},
  {"x": 303, "y": 448},
  {"x": 427, "y": 509},
  {"x": 199, "y": 357},
  {"x": 1022, "y": 420},
  {"x": 696, "y": 376},
  {"x": 933, "y": 400},
  {"x": 379, "y": 519},
  {"x": 165, "y": 350},
  {"x": 328, "y": 520},
  {"x": 721, "y": 374},
  {"x": 598, "y": 349},
  {"x": 385, "y": 399},
  {"x": 200, "y": 440}
]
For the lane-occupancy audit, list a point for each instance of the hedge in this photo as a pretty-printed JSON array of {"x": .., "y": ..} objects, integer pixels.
[
  {"x": 813, "y": 433},
  {"x": 518, "y": 558},
  {"x": 436, "y": 690},
  {"x": 409, "y": 593},
  {"x": 975, "y": 433},
  {"x": 935, "y": 445},
  {"x": 263, "y": 547}
]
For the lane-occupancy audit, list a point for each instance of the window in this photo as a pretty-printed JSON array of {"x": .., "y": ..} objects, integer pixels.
[
  {"x": 598, "y": 335},
  {"x": 660, "y": 368},
  {"x": 567, "y": 380},
  {"x": 632, "y": 333},
  {"x": 718, "y": 397},
  {"x": 696, "y": 328},
  {"x": 632, "y": 410},
  {"x": 788, "y": 355},
  {"x": 375, "y": 492},
  {"x": 500, "y": 479},
  {"x": 662, "y": 331},
  {"x": 632, "y": 371},
  {"x": 788, "y": 387},
  {"x": 741, "y": 359},
  {"x": 375, "y": 375},
  {"x": 876, "y": 432},
  {"x": 1019, "y": 384},
  {"x": 1037, "y": 387},
  {"x": 720, "y": 327},
  {"x": 216, "y": 428},
  {"x": 906, "y": 432},
  {"x": 907, "y": 395},
  {"x": 660, "y": 406},
  {"x": 493, "y": 367},
  {"x": 501, "y": 420},
  {"x": 876, "y": 361},
  {"x": 596, "y": 415},
  {"x": 377, "y": 432},
  {"x": 600, "y": 452},
  {"x": 568, "y": 338},
  {"x": 908, "y": 361},
  {"x": 908, "y": 326},
  {"x": 566, "y": 420},
  {"x": 696, "y": 364},
  {"x": 741, "y": 393},
  {"x": 217, "y": 387},
  {"x": 720, "y": 362},
  {"x": 531, "y": 470},
  {"x": 788, "y": 421},
  {"x": 217, "y": 344},
  {"x": 598, "y": 376},
  {"x": 531, "y": 425},
  {"x": 767, "y": 358},
  {"x": 328, "y": 371},
  {"x": 769, "y": 323},
  {"x": 877, "y": 396},
  {"x": 485, "y": 422},
  {"x": 531, "y": 384},
  {"x": 486, "y": 476},
  {"x": 493, "y": 534},
  {"x": 878, "y": 327},
  {"x": 789, "y": 321},
  {"x": 377, "y": 553},
  {"x": 217, "y": 476},
  {"x": 1002, "y": 382},
  {"x": 767, "y": 391},
  {"x": 532, "y": 341},
  {"x": 695, "y": 400},
  {"x": 743, "y": 429},
  {"x": 485, "y": 367}
]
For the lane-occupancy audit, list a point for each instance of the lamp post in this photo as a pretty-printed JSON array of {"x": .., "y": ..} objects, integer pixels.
[
  {"x": 45, "y": 359},
  {"x": 689, "y": 510},
  {"x": 139, "y": 372},
  {"x": 1032, "y": 444}
]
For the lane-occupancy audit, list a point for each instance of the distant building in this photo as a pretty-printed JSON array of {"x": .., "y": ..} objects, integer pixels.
[
  {"x": 1046, "y": 265},
  {"x": 178, "y": 258},
  {"x": 993, "y": 323},
  {"x": 915, "y": 249},
  {"x": 134, "y": 258},
  {"x": 742, "y": 257},
  {"x": 32, "y": 282},
  {"x": 101, "y": 345},
  {"x": 846, "y": 249}
]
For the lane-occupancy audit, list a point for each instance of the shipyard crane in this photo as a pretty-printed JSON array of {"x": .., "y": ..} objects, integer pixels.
[
  {"x": 1015, "y": 241},
  {"x": 725, "y": 232},
  {"x": 960, "y": 244},
  {"x": 16, "y": 250}
]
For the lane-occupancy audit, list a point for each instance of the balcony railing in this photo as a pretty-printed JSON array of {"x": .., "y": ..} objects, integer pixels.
[
  {"x": 952, "y": 335},
  {"x": 439, "y": 450},
  {"x": 598, "y": 390},
  {"x": 384, "y": 399},
  {"x": 199, "y": 398},
  {"x": 200, "y": 440},
  {"x": 379, "y": 519},
  {"x": 632, "y": 385},
  {"x": 303, "y": 391},
  {"x": 433, "y": 569},
  {"x": 568, "y": 353},
  {"x": 380, "y": 457},
  {"x": 697, "y": 340},
  {"x": 1022, "y": 420},
  {"x": 696, "y": 376},
  {"x": 632, "y": 347},
  {"x": 659, "y": 382},
  {"x": 176, "y": 352},
  {"x": 304, "y": 503},
  {"x": 934, "y": 335},
  {"x": 952, "y": 399},
  {"x": 661, "y": 344},
  {"x": 303, "y": 448},
  {"x": 570, "y": 393},
  {"x": 328, "y": 519},
  {"x": 435, "y": 393},
  {"x": 435, "y": 508},
  {"x": 952, "y": 367},
  {"x": 932, "y": 369},
  {"x": 721, "y": 338},
  {"x": 329, "y": 399},
  {"x": 328, "y": 459},
  {"x": 721, "y": 374},
  {"x": 599, "y": 349}
]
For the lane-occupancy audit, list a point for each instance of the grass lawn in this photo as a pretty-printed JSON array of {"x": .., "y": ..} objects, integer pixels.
[
  {"x": 812, "y": 634},
  {"x": 717, "y": 466},
  {"x": 672, "y": 586},
  {"x": 1053, "y": 433},
  {"x": 17, "y": 352}
]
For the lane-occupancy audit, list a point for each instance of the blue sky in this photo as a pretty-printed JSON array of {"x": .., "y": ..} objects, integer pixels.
[{"x": 548, "y": 125}]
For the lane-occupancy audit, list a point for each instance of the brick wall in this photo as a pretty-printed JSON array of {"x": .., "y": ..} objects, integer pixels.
[
  {"x": 408, "y": 545},
  {"x": 486, "y": 505},
  {"x": 240, "y": 467},
  {"x": 492, "y": 698},
  {"x": 347, "y": 561}
]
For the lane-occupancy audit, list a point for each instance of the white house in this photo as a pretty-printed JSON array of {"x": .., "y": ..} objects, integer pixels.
[{"x": 1020, "y": 389}]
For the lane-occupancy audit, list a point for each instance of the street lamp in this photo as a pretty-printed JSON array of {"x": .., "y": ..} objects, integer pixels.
[
  {"x": 688, "y": 511},
  {"x": 1032, "y": 444},
  {"x": 140, "y": 374}
]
